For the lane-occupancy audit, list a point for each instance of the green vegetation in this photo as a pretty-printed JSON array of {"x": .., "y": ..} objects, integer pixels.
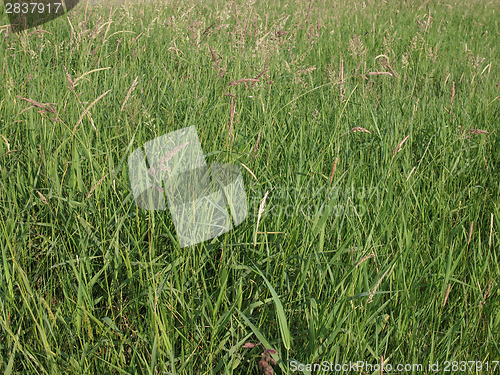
[{"x": 366, "y": 131}]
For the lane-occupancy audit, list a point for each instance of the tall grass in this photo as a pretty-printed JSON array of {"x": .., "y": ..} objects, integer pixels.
[{"x": 368, "y": 139}]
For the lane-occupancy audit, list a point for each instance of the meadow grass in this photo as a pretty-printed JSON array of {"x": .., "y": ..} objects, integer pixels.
[{"x": 367, "y": 135}]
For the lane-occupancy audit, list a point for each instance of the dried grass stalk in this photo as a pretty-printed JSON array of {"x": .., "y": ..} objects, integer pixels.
[
  {"x": 379, "y": 74},
  {"x": 360, "y": 129},
  {"x": 249, "y": 171},
  {"x": 333, "y": 169},
  {"x": 96, "y": 185},
  {"x": 88, "y": 109},
  {"x": 214, "y": 58},
  {"x": 44, "y": 200},
  {"x": 132, "y": 88},
  {"x": 44, "y": 106},
  {"x": 374, "y": 290},
  {"x": 68, "y": 77},
  {"x": 446, "y": 295},
  {"x": 470, "y": 232},
  {"x": 259, "y": 215},
  {"x": 341, "y": 80},
  {"x": 398, "y": 147},
  {"x": 452, "y": 94},
  {"x": 231, "y": 120},
  {"x": 365, "y": 258},
  {"x": 6, "y": 142},
  {"x": 256, "y": 147},
  {"x": 243, "y": 80},
  {"x": 478, "y": 131}
]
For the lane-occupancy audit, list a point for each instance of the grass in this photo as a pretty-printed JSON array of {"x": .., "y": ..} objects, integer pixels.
[{"x": 371, "y": 129}]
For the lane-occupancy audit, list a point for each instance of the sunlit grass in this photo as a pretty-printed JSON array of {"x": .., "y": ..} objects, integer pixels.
[{"x": 370, "y": 128}]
